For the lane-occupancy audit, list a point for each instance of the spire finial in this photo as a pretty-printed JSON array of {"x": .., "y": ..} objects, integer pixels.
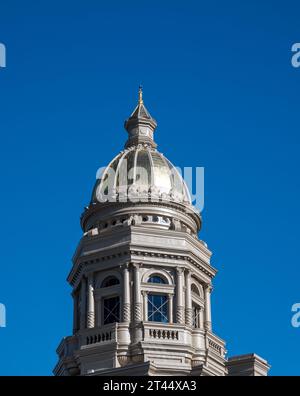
[
  {"x": 140, "y": 125},
  {"x": 141, "y": 95}
]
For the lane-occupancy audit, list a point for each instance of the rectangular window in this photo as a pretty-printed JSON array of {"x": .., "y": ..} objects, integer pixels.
[
  {"x": 157, "y": 308},
  {"x": 111, "y": 310},
  {"x": 196, "y": 317}
]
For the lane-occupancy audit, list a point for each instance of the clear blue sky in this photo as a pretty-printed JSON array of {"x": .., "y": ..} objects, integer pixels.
[{"x": 217, "y": 77}]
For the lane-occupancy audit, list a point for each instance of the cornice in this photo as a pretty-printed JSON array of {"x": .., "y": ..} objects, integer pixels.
[
  {"x": 76, "y": 271},
  {"x": 207, "y": 269}
]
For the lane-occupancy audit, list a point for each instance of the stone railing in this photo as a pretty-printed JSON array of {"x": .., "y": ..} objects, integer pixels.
[
  {"x": 215, "y": 344},
  {"x": 162, "y": 332},
  {"x": 105, "y": 334}
]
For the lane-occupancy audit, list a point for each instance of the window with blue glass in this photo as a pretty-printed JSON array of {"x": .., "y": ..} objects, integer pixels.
[
  {"x": 156, "y": 279},
  {"x": 157, "y": 308}
]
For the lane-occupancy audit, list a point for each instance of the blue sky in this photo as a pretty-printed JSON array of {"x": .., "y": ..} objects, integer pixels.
[{"x": 218, "y": 78}]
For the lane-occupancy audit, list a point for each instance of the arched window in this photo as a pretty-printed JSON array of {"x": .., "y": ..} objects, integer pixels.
[
  {"x": 110, "y": 281},
  {"x": 157, "y": 308},
  {"x": 156, "y": 279},
  {"x": 195, "y": 289}
]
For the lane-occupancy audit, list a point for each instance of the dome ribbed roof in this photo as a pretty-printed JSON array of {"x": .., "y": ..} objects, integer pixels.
[{"x": 141, "y": 173}]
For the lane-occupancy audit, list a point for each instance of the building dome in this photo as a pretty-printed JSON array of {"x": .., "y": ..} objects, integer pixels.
[
  {"x": 141, "y": 173},
  {"x": 141, "y": 183}
]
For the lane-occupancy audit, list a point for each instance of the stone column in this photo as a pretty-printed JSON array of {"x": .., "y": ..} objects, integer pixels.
[
  {"x": 188, "y": 300},
  {"x": 170, "y": 297},
  {"x": 91, "y": 303},
  {"x": 137, "y": 294},
  {"x": 126, "y": 294},
  {"x": 75, "y": 312},
  {"x": 179, "y": 296},
  {"x": 145, "y": 295},
  {"x": 201, "y": 314},
  {"x": 83, "y": 304},
  {"x": 207, "y": 324}
]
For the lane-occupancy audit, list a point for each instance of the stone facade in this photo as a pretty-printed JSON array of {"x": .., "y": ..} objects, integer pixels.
[{"x": 142, "y": 279}]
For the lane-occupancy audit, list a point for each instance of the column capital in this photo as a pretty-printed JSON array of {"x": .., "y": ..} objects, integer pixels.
[
  {"x": 136, "y": 266},
  {"x": 90, "y": 276},
  {"x": 144, "y": 292},
  {"x": 179, "y": 270},
  {"x": 124, "y": 266},
  {"x": 208, "y": 288}
]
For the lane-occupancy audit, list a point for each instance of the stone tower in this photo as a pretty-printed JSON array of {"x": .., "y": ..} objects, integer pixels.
[{"x": 141, "y": 278}]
